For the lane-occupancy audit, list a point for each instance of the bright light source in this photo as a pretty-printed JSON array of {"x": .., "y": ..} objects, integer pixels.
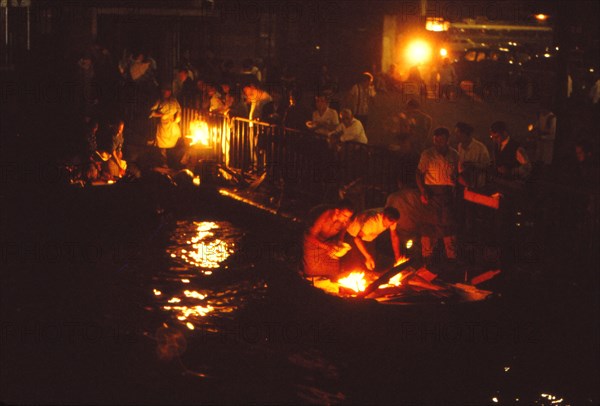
[
  {"x": 591, "y": 70},
  {"x": 317, "y": 47},
  {"x": 443, "y": 52},
  {"x": 436, "y": 24},
  {"x": 547, "y": 55},
  {"x": 409, "y": 244},
  {"x": 541, "y": 17},
  {"x": 418, "y": 52},
  {"x": 199, "y": 133}
]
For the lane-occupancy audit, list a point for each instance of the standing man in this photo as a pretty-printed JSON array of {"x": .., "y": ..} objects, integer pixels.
[
  {"x": 436, "y": 178},
  {"x": 473, "y": 157},
  {"x": 510, "y": 159},
  {"x": 367, "y": 226},
  {"x": 544, "y": 133},
  {"x": 473, "y": 164},
  {"x": 420, "y": 125},
  {"x": 448, "y": 80},
  {"x": 360, "y": 96},
  {"x": 167, "y": 131}
]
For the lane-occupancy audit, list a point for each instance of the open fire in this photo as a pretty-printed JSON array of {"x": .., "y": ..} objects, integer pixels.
[
  {"x": 199, "y": 133},
  {"x": 355, "y": 281}
]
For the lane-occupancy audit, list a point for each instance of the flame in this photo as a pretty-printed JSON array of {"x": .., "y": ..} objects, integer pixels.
[
  {"x": 401, "y": 260},
  {"x": 355, "y": 281},
  {"x": 200, "y": 133},
  {"x": 396, "y": 280}
]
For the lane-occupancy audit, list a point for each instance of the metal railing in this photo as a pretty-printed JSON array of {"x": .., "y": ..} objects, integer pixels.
[{"x": 304, "y": 163}]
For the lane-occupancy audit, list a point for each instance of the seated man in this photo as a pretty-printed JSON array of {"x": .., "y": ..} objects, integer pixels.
[
  {"x": 324, "y": 119},
  {"x": 367, "y": 226},
  {"x": 350, "y": 129},
  {"x": 322, "y": 240}
]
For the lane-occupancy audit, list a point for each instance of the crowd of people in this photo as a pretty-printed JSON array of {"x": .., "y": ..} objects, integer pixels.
[
  {"x": 151, "y": 108},
  {"x": 429, "y": 207},
  {"x": 436, "y": 210}
]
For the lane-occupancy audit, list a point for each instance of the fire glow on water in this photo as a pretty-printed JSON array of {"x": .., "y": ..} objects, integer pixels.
[{"x": 204, "y": 250}]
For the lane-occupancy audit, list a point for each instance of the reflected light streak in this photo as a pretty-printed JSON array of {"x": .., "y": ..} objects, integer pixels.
[{"x": 205, "y": 253}]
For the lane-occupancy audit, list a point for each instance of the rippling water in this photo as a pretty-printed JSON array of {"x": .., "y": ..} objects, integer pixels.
[
  {"x": 210, "y": 301},
  {"x": 218, "y": 316},
  {"x": 203, "y": 282}
]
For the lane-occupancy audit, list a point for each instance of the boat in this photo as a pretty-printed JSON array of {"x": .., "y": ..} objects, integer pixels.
[{"x": 405, "y": 285}]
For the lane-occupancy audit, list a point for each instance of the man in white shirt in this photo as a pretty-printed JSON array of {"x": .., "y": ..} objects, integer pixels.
[
  {"x": 473, "y": 157},
  {"x": 436, "y": 179},
  {"x": 324, "y": 118},
  {"x": 350, "y": 129}
]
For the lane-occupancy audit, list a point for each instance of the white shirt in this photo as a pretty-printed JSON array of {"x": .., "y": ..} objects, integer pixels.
[
  {"x": 477, "y": 155},
  {"x": 370, "y": 222},
  {"x": 328, "y": 119},
  {"x": 439, "y": 170},
  {"x": 354, "y": 132}
]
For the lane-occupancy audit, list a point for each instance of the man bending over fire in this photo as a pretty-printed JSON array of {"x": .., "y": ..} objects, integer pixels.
[
  {"x": 367, "y": 226},
  {"x": 323, "y": 246}
]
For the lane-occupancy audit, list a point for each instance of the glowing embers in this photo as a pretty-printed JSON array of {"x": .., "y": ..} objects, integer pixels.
[
  {"x": 199, "y": 133},
  {"x": 394, "y": 281},
  {"x": 204, "y": 249}
]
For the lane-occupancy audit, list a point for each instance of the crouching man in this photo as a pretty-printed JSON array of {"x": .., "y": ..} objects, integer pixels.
[
  {"x": 323, "y": 245},
  {"x": 363, "y": 231}
]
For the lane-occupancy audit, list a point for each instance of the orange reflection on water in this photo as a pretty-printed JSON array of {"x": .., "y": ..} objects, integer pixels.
[{"x": 205, "y": 250}]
